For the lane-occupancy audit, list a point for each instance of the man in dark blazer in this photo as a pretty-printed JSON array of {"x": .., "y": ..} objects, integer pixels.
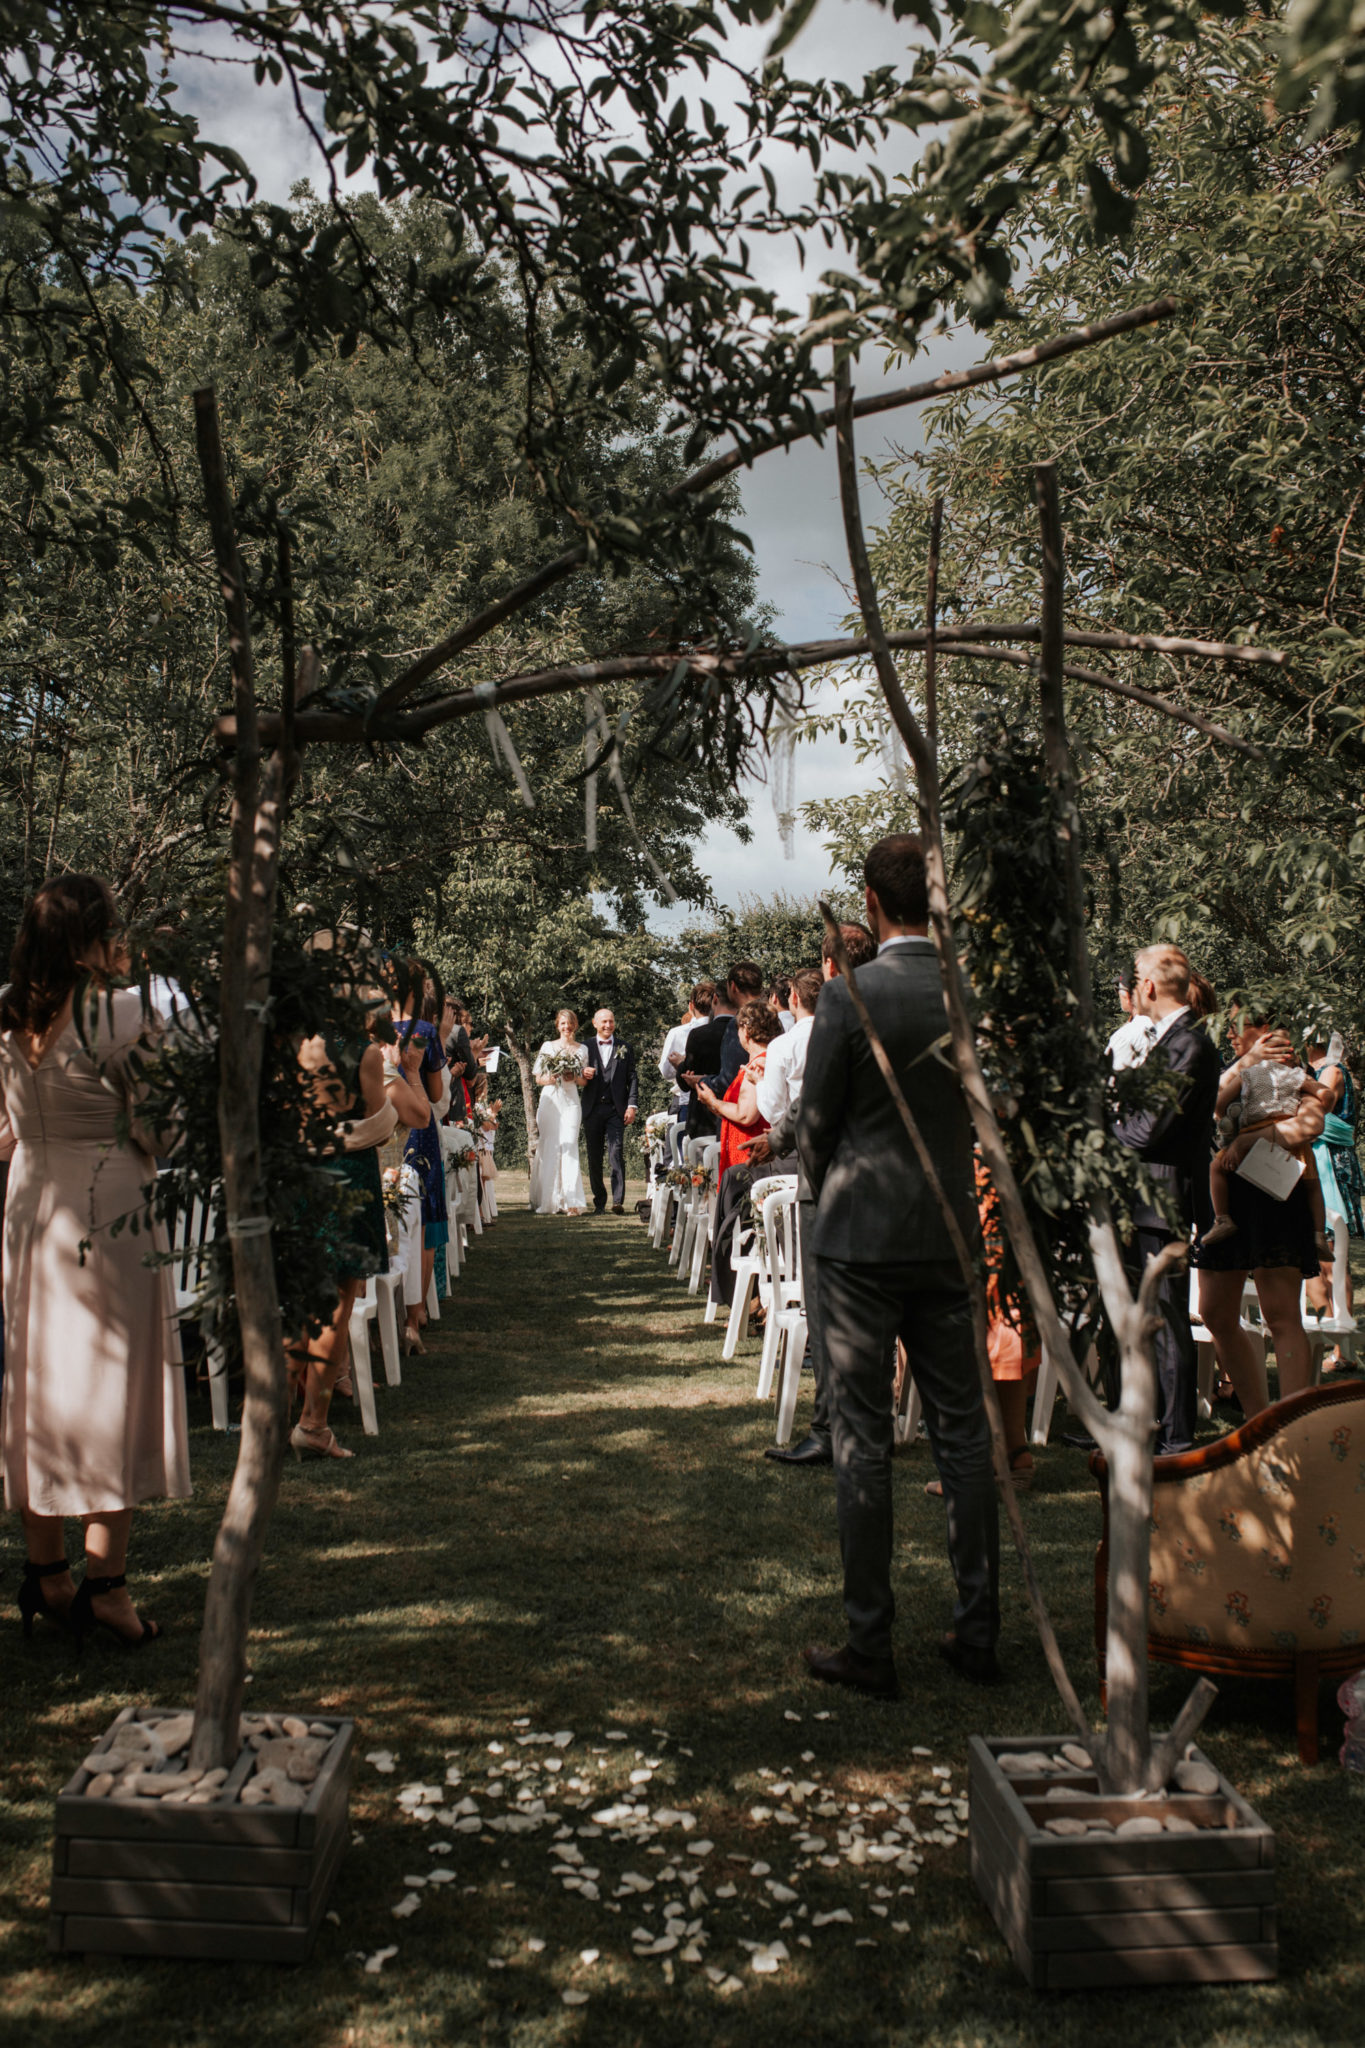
[
  {"x": 713, "y": 1053},
  {"x": 1174, "y": 1139},
  {"x": 886, "y": 1270},
  {"x": 610, "y": 1102}
]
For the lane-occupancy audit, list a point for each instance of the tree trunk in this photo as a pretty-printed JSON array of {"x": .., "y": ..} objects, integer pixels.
[
  {"x": 526, "y": 1070},
  {"x": 248, "y": 926}
]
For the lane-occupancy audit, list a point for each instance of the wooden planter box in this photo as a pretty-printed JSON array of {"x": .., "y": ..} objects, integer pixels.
[
  {"x": 248, "y": 1883},
  {"x": 1098, "y": 1909}
]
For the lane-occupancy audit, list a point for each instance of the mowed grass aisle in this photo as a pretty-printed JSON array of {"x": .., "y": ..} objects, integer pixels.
[{"x": 567, "y": 1523}]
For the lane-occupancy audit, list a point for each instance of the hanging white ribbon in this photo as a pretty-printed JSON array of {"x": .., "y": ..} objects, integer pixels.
[
  {"x": 893, "y": 760},
  {"x": 500, "y": 740},
  {"x": 782, "y": 755}
]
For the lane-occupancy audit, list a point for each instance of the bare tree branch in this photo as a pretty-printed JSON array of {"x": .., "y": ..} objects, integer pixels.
[
  {"x": 525, "y": 593},
  {"x": 972, "y": 638}
]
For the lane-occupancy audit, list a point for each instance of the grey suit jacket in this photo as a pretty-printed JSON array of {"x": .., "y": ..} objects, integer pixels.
[{"x": 874, "y": 1205}]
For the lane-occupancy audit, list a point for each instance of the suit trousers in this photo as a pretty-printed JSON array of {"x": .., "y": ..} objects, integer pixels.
[
  {"x": 1177, "y": 1361},
  {"x": 815, "y": 1342},
  {"x": 862, "y": 1310},
  {"x": 606, "y": 1127}
]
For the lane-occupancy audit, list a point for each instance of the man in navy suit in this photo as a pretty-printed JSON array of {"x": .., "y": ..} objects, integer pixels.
[{"x": 610, "y": 1101}]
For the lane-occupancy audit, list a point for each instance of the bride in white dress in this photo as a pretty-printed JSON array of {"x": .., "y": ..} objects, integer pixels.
[{"x": 556, "y": 1177}]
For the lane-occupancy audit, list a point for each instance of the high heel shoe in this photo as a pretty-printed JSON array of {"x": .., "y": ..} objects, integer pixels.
[
  {"x": 32, "y": 1599},
  {"x": 84, "y": 1618},
  {"x": 413, "y": 1347},
  {"x": 315, "y": 1443}
]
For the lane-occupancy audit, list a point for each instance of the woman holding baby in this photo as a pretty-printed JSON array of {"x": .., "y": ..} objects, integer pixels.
[{"x": 1276, "y": 1242}]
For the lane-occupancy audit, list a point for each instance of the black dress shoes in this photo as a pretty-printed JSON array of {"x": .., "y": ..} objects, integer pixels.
[
  {"x": 812, "y": 1450},
  {"x": 980, "y": 1665},
  {"x": 618, "y": 1208},
  {"x": 872, "y": 1675},
  {"x": 1079, "y": 1439}
]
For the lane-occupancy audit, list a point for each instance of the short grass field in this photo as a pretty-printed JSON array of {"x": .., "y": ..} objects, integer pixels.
[{"x": 567, "y": 1523}]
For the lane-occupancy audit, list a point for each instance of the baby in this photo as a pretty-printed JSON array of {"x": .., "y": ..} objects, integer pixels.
[{"x": 1270, "y": 1094}]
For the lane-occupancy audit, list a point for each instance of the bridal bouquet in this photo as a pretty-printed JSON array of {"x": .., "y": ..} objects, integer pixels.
[{"x": 561, "y": 1066}]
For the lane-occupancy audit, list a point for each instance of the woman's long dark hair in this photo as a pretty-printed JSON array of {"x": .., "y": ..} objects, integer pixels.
[{"x": 59, "y": 926}]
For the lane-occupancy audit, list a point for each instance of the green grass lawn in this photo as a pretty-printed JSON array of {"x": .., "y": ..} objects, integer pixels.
[{"x": 567, "y": 1520}]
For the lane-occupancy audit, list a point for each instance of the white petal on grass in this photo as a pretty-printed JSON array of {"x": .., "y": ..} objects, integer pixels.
[
  {"x": 407, "y": 1905},
  {"x": 574, "y": 1997},
  {"x": 375, "y": 1963},
  {"x": 588, "y": 1956}
]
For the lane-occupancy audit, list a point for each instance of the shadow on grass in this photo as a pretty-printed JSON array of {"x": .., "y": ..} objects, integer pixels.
[{"x": 567, "y": 1516}]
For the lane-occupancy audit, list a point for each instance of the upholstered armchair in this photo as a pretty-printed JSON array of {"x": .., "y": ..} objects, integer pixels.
[{"x": 1258, "y": 1550}]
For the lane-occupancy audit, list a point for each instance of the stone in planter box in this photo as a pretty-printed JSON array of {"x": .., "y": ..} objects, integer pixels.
[
  {"x": 1083, "y": 1897},
  {"x": 155, "y": 1865}
]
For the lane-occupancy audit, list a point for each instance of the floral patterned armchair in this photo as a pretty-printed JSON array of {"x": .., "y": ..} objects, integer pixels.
[{"x": 1258, "y": 1550}]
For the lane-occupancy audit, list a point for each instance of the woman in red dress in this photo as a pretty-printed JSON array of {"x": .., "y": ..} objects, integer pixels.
[{"x": 759, "y": 1025}]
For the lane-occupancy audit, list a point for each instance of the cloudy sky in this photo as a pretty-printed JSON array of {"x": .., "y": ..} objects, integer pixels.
[{"x": 791, "y": 500}]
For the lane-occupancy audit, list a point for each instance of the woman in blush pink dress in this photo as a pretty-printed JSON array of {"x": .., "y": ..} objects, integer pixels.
[{"x": 93, "y": 1417}]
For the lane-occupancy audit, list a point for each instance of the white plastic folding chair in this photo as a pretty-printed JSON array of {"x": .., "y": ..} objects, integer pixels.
[
  {"x": 195, "y": 1229},
  {"x": 362, "y": 1377},
  {"x": 909, "y": 1409},
  {"x": 747, "y": 1263},
  {"x": 793, "y": 1333},
  {"x": 705, "y": 1228},
  {"x": 779, "y": 1281},
  {"x": 388, "y": 1288},
  {"x": 1338, "y": 1327},
  {"x": 682, "y": 1227}
]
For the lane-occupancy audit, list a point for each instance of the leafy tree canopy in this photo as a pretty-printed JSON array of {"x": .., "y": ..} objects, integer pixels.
[{"x": 1211, "y": 483}]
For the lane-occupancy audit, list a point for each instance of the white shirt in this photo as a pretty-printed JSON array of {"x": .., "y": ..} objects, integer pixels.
[
  {"x": 1159, "y": 1030},
  {"x": 676, "y": 1041},
  {"x": 786, "y": 1020},
  {"x": 905, "y": 939},
  {"x": 784, "y": 1071},
  {"x": 1131, "y": 1043},
  {"x": 604, "y": 1051}
]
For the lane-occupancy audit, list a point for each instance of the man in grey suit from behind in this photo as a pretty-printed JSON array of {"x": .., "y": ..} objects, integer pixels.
[{"x": 886, "y": 1270}]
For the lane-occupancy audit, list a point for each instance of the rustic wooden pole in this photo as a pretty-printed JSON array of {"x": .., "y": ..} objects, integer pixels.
[
  {"x": 931, "y": 624},
  {"x": 1124, "y": 1765},
  {"x": 1013, "y": 1214},
  {"x": 248, "y": 925}
]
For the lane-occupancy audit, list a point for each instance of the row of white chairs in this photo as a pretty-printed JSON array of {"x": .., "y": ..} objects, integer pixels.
[
  {"x": 767, "y": 1263},
  {"x": 384, "y": 1300},
  {"x": 766, "y": 1259}
]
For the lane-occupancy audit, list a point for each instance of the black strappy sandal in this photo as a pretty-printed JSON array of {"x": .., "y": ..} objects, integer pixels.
[
  {"x": 84, "y": 1618},
  {"x": 32, "y": 1599}
]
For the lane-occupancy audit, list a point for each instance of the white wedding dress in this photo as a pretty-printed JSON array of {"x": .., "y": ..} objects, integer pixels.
[{"x": 557, "y": 1177}]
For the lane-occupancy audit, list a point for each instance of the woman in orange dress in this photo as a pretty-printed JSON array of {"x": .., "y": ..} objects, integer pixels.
[{"x": 1011, "y": 1345}]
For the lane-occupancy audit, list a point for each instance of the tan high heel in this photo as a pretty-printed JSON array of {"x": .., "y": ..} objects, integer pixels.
[{"x": 315, "y": 1443}]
